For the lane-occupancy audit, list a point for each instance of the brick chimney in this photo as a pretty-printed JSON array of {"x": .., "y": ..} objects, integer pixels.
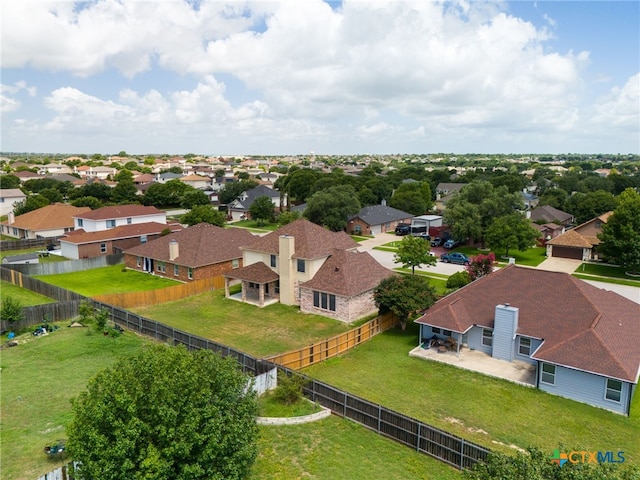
[{"x": 174, "y": 252}]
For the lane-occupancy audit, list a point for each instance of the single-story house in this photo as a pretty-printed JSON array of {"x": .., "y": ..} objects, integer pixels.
[
  {"x": 21, "y": 259},
  {"x": 80, "y": 244},
  {"x": 583, "y": 344},
  {"x": 376, "y": 219},
  {"x": 581, "y": 242},
  {"x": 282, "y": 266},
  {"x": 197, "y": 252},
  {"x": 196, "y": 181},
  {"x": 118, "y": 215},
  {"x": 8, "y": 198},
  {"x": 549, "y": 214},
  {"x": 444, "y": 192},
  {"x": 50, "y": 221}
]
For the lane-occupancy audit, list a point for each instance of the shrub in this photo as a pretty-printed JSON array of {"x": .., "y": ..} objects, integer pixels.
[
  {"x": 11, "y": 310},
  {"x": 458, "y": 280},
  {"x": 289, "y": 389}
]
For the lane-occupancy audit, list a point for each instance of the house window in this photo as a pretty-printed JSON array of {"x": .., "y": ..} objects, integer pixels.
[
  {"x": 190, "y": 273},
  {"x": 324, "y": 301},
  {"x": 129, "y": 221},
  {"x": 446, "y": 333},
  {"x": 277, "y": 287},
  {"x": 548, "y": 374},
  {"x": 143, "y": 239},
  {"x": 235, "y": 263},
  {"x": 273, "y": 261},
  {"x": 487, "y": 337},
  {"x": 162, "y": 267},
  {"x": 80, "y": 222},
  {"x": 111, "y": 223},
  {"x": 103, "y": 248},
  {"x": 614, "y": 390},
  {"x": 524, "y": 346},
  {"x": 301, "y": 267},
  {"x": 138, "y": 261},
  {"x": 176, "y": 270},
  {"x": 436, "y": 330}
]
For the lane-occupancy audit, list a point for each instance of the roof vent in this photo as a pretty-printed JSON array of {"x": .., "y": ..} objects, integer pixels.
[{"x": 337, "y": 269}]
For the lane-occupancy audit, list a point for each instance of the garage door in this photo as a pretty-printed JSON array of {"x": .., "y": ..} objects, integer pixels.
[{"x": 566, "y": 252}]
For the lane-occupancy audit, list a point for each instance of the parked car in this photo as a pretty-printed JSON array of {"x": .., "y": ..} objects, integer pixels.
[
  {"x": 426, "y": 237},
  {"x": 451, "y": 243},
  {"x": 403, "y": 229},
  {"x": 455, "y": 257},
  {"x": 436, "y": 242}
]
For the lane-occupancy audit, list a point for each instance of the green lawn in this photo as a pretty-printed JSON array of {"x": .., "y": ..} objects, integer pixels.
[
  {"x": 480, "y": 408},
  {"x": 531, "y": 257},
  {"x": 41, "y": 375},
  {"x": 259, "y": 331},
  {"x": 26, "y": 297},
  {"x": 99, "y": 281},
  {"x": 253, "y": 225},
  {"x": 605, "y": 271}
]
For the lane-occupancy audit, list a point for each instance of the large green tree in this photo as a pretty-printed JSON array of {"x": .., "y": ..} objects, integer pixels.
[
  {"x": 9, "y": 181},
  {"x": 511, "y": 231},
  {"x": 412, "y": 197},
  {"x": 300, "y": 184},
  {"x": 262, "y": 209},
  {"x": 585, "y": 206},
  {"x": 232, "y": 190},
  {"x": 29, "y": 204},
  {"x": 165, "y": 413},
  {"x": 331, "y": 208},
  {"x": 125, "y": 192},
  {"x": 414, "y": 252},
  {"x": 620, "y": 235},
  {"x": 203, "y": 213},
  {"x": 404, "y": 295}
]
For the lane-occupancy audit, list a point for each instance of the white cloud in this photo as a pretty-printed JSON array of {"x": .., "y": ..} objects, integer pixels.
[{"x": 620, "y": 109}]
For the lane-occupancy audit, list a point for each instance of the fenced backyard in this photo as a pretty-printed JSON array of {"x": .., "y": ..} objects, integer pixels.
[{"x": 68, "y": 266}]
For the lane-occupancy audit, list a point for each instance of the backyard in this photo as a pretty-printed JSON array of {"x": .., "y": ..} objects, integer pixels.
[{"x": 43, "y": 373}]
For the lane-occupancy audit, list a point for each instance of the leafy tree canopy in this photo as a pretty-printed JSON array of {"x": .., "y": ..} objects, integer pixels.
[
  {"x": 481, "y": 266},
  {"x": 31, "y": 203},
  {"x": 165, "y": 413},
  {"x": 412, "y": 197},
  {"x": 404, "y": 295},
  {"x": 300, "y": 184},
  {"x": 91, "y": 202},
  {"x": 194, "y": 197},
  {"x": 52, "y": 195},
  {"x": 9, "y": 181},
  {"x": 11, "y": 310},
  {"x": 125, "y": 192},
  {"x": 287, "y": 217},
  {"x": 203, "y": 213},
  {"x": 511, "y": 231},
  {"x": 620, "y": 235},
  {"x": 331, "y": 208},
  {"x": 262, "y": 209},
  {"x": 585, "y": 206},
  {"x": 232, "y": 190},
  {"x": 414, "y": 252}
]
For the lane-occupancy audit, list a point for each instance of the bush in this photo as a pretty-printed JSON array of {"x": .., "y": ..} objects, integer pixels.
[
  {"x": 458, "y": 280},
  {"x": 11, "y": 310},
  {"x": 289, "y": 389}
]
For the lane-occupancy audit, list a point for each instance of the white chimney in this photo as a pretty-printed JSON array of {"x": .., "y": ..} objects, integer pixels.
[
  {"x": 12, "y": 217},
  {"x": 173, "y": 250}
]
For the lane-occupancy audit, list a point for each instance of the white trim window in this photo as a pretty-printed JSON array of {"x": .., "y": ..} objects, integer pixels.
[
  {"x": 176, "y": 270},
  {"x": 103, "y": 248},
  {"x": 487, "y": 337},
  {"x": 162, "y": 267},
  {"x": 325, "y": 301},
  {"x": 235, "y": 263},
  {"x": 524, "y": 346},
  {"x": 190, "y": 273},
  {"x": 548, "y": 374},
  {"x": 613, "y": 390},
  {"x": 138, "y": 261}
]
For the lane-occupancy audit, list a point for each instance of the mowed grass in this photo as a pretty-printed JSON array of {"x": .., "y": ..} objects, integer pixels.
[
  {"x": 100, "y": 281},
  {"x": 531, "y": 257},
  {"x": 493, "y": 412},
  {"x": 335, "y": 448},
  {"x": 258, "y": 331},
  {"x": 39, "y": 377},
  {"x": 26, "y": 297}
]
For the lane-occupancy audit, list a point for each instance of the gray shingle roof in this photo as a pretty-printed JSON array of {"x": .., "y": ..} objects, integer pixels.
[{"x": 379, "y": 214}]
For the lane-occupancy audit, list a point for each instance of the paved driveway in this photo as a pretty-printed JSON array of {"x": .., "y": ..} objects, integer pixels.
[{"x": 554, "y": 264}]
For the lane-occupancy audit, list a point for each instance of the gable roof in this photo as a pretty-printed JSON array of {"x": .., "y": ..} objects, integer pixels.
[
  {"x": 311, "y": 240},
  {"x": 50, "y": 217},
  {"x": 348, "y": 273},
  {"x": 199, "y": 245},
  {"x": 588, "y": 328},
  {"x": 450, "y": 187},
  {"x": 583, "y": 235},
  {"x": 549, "y": 214},
  {"x": 11, "y": 193},
  {"x": 120, "y": 211},
  {"x": 379, "y": 214},
  {"x": 244, "y": 201},
  {"x": 80, "y": 237},
  {"x": 571, "y": 238}
]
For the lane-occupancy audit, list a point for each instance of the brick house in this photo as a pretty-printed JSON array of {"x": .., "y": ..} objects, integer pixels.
[
  {"x": 579, "y": 243},
  {"x": 375, "y": 219},
  {"x": 282, "y": 266},
  {"x": 197, "y": 252}
]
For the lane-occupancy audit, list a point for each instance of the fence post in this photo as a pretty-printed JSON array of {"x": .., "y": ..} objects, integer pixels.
[
  {"x": 461, "y": 453},
  {"x": 344, "y": 409},
  {"x": 419, "y": 435},
  {"x": 379, "y": 418}
]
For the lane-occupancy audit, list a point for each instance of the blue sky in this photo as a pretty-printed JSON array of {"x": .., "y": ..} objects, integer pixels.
[{"x": 294, "y": 76}]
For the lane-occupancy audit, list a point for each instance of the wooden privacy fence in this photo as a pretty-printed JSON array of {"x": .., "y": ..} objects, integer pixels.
[
  {"x": 68, "y": 266},
  {"x": 57, "y": 293},
  {"x": 25, "y": 243},
  {"x": 162, "y": 295},
  {"x": 50, "y": 312},
  {"x": 331, "y": 347}
]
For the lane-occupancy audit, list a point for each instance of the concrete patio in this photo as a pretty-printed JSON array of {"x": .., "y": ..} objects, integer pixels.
[{"x": 476, "y": 361}]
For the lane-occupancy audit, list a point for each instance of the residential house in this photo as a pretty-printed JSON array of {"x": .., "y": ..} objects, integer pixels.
[
  {"x": 115, "y": 216},
  {"x": 549, "y": 214},
  {"x": 26, "y": 175},
  {"x": 8, "y": 198},
  {"x": 166, "y": 176},
  {"x": 582, "y": 346},
  {"x": 548, "y": 231},
  {"x": 239, "y": 208},
  {"x": 283, "y": 265},
  {"x": 80, "y": 244},
  {"x": 51, "y": 221},
  {"x": 376, "y": 219},
  {"x": 54, "y": 168},
  {"x": 444, "y": 192},
  {"x": 197, "y": 252},
  {"x": 196, "y": 181},
  {"x": 22, "y": 259},
  {"x": 581, "y": 242}
]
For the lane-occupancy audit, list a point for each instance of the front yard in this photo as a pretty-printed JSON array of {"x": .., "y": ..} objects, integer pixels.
[{"x": 489, "y": 411}]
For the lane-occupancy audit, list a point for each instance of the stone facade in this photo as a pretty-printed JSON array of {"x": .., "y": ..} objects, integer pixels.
[{"x": 347, "y": 309}]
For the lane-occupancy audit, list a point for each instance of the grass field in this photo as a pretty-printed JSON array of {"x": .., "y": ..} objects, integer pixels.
[
  {"x": 26, "y": 297},
  {"x": 483, "y": 409},
  {"x": 104, "y": 280},
  {"x": 259, "y": 331},
  {"x": 40, "y": 376},
  {"x": 531, "y": 257}
]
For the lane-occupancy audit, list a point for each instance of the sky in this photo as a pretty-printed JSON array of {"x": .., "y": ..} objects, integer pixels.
[{"x": 290, "y": 77}]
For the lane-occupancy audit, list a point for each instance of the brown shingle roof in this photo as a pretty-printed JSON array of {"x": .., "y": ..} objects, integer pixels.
[
  {"x": 311, "y": 240},
  {"x": 120, "y": 211},
  {"x": 256, "y": 272},
  {"x": 571, "y": 239},
  {"x": 582, "y": 326},
  {"x": 58, "y": 215},
  {"x": 348, "y": 273},
  {"x": 123, "y": 231},
  {"x": 199, "y": 245}
]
